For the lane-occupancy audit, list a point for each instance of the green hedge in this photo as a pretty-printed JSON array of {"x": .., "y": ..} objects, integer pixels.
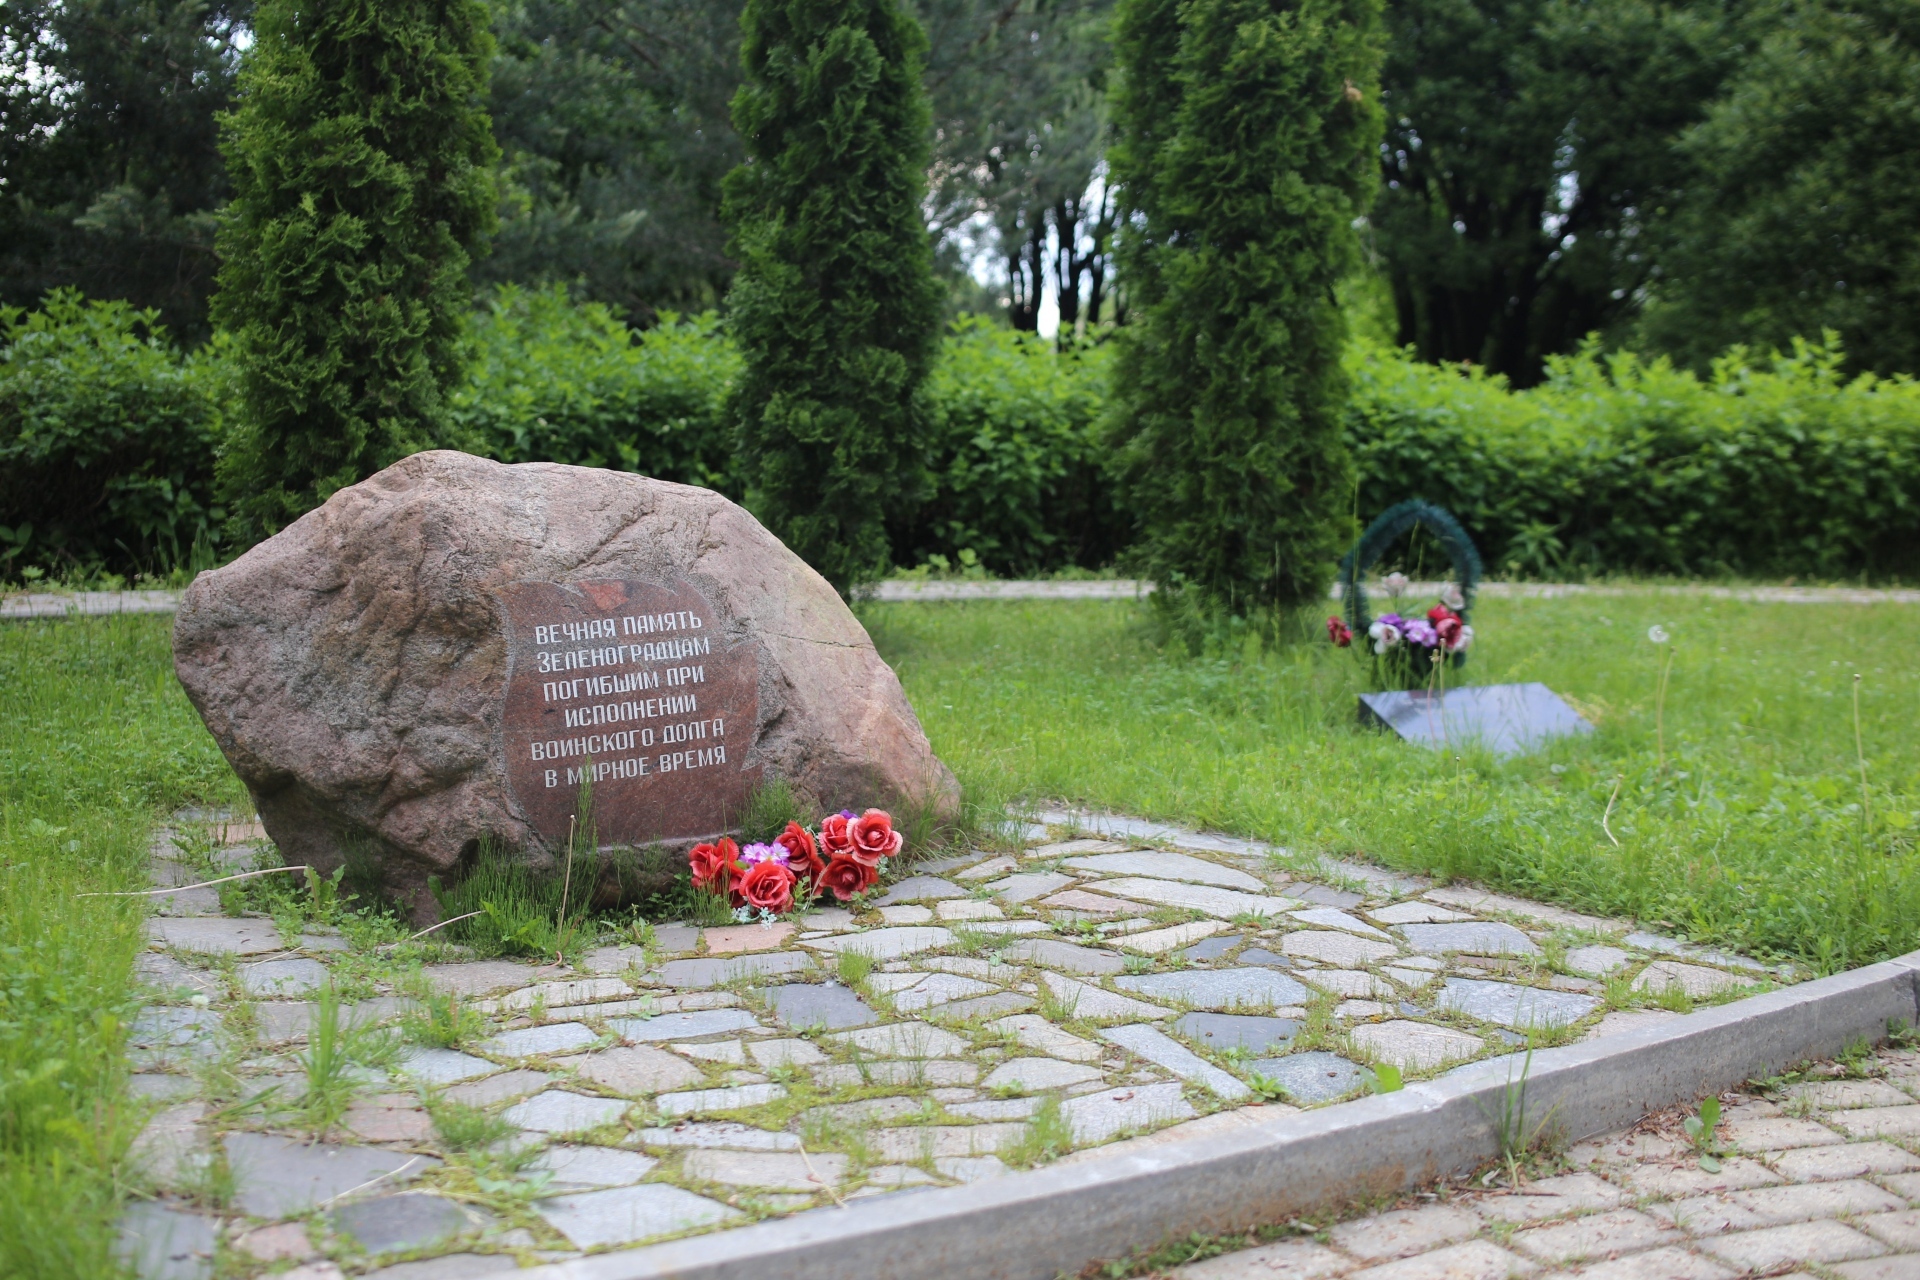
[
  {"x": 107, "y": 438},
  {"x": 1769, "y": 467}
]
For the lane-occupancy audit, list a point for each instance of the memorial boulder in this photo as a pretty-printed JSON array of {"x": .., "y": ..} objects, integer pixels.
[{"x": 440, "y": 655}]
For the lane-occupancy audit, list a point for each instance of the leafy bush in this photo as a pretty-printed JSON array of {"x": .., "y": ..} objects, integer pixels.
[
  {"x": 552, "y": 380},
  {"x": 107, "y": 438},
  {"x": 1767, "y": 467},
  {"x": 1017, "y": 461}
]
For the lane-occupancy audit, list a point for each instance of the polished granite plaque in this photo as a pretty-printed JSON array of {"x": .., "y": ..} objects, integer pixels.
[
  {"x": 1506, "y": 719},
  {"x": 631, "y": 684}
]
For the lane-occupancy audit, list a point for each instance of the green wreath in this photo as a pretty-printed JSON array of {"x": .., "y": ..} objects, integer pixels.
[{"x": 1387, "y": 529}]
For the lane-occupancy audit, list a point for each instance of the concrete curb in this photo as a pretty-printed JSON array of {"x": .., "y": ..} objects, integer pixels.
[{"x": 1055, "y": 1221}]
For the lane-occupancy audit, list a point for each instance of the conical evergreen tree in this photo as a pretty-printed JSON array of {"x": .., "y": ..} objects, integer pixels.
[
  {"x": 835, "y": 305},
  {"x": 361, "y": 160},
  {"x": 1245, "y": 149}
]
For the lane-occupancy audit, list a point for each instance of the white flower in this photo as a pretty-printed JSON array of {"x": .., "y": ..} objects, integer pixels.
[
  {"x": 1462, "y": 640},
  {"x": 1385, "y": 636},
  {"x": 1453, "y": 597},
  {"x": 1657, "y": 633},
  {"x": 1395, "y": 583}
]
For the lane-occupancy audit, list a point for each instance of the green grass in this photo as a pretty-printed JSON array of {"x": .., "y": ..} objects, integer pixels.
[
  {"x": 96, "y": 739},
  {"x": 1751, "y": 835}
]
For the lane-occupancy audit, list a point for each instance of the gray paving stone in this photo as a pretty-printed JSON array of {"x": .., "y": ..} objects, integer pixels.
[
  {"x": 1545, "y": 1198},
  {"x": 1222, "y": 904},
  {"x": 1354, "y": 984},
  {"x": 683, "y": 1026},
  {"x": 914, "y": 1143},
  {"x": 1265, "y": 959},
  {"x": 887, "y": 944},
  {"x": 162, "y": 1035},
  {"x": 937, "y": 1072},
  {"x": 1905, "y": 1266},
  {"x": 291, "y": 977},
  {"x": 1342, "y": 950},
  {"x": 490, "y": 1091},
  {"x": 557, "y": 1111},
  {"x": 697, "y": 1101},
  {"x": 1213, "y": 948},
  {"x": 995, "y": 928},
  {"x": 1326, "y": 896},
  {"x": 1879, "y": 1122},
  {"x": 1697, "y": 981},
  {"x": 1333, "y": 918},
  {"x": 693, "y": 975},
  {"x": 1834, "y": 1095},
  {"x": 1154, "y": 1045},
  {"x": 1288, "y": 1260},
  {"x": 1251, "y": 1032},
  {"x": 728, "y": 1134},
  {"x": 998, "y": 1108},
  {"x": 624, "y": 1215},
  {"x": 1168, "y": 866},
  {"x": 1417, "y": 913},
  {"x": 1658, "y": 1264},
  {"x": 1415, "y": 1045},
  {"x": 1084, "y": 1000},
  {"x": 1776, "y": 1133},
  {"x": 1511, "y": 1005},
  {"x": 172, "y": 1146},
  {"x": 638, "y": 1069},
  {"x": 162, "y": 1088},
  {"x": 1248, "y": 988},
  {"x": 987, "y": 870},
  {"x": 1849, "y": 1160},
  {"x": 1614, "y": 1233},
  {"x": 1037, "y": 1075},
  {"x": 903, "y": 1040},
  {"x": 1097, "y": 1117},
  {"x": 1035, "y": 1032},
  {"x": 554, "y": 1037},
  {"x": 1399, "y": 1233},
  {"x": 867, "y": 1111},
  {"x": 1074, "y": 848},
  {"x": 1311, "y": 1077},
  {"x": 993, "y": 1006},
  {"x": 1774, "y": 1247},
  {"x": 444, "y": 1066},
  {"x": 771, "y": 1170},
  {"x": 1901, "y": 1230},
  {"x": 1480, "y": 938},
  {"x": 1597, "y": 962},
  {"x": 821, "y": 1004},
  {"x": 409, "y": 1220},
  {"x": 215, "y": 935},
  {"x": 1028, "y": 886},
  {"x": 585, "y": 1168},
  {"x": 1160, "y": 941},
  {"x": 1065, "y": 956},
  {"x": 922, "y": 889},
  {"x": 160, "y": 1243},
  {"x": 277, "y": 1177},
  {"x": 477, "y": 978}
]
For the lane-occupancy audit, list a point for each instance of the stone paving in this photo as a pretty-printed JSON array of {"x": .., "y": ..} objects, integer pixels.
[
  {"x": 1095, "y": 980},
  {"x": 1815, "y": 1176}
]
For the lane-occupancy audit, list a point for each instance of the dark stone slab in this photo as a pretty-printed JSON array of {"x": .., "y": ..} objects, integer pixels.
[
  {"x": 640, "y": 677},
  {"x": 1507, "y": 719},
  {"x": 159, "y": 1243},
  {"x": 1237, "y": 1031},
  {"x": 1311, "y": 1077},
  {"x": 410, "y": 1220},
  {"x": 1264, "y": 957},
  {"x": 277, "y": 1177},
  {"x": 1212, "y": 948},
  {"x": 819, "y": 1004}
]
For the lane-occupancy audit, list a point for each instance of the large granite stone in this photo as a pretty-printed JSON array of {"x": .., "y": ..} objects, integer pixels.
[
  {"x": 1316, "y": 1076},
  {"x": 819, "y": 1004},
  {"x": 637, "y": 1069},
  {"x": 903, "y": 1040},
  {"x": 1512, "y": 1005},
  {"x": 937, "y": 989},
  {"x": 1084, "y": 1000},
  {"x": 1506, "y": 719},
  {"x": 1415, "y": 1046},
  {"x": 1255, "y": 1034},
  {"x": 354, "y": 668},
  {"x": 623, "y": 1215},
  {"x": 1341, "y": 949},
  {"x": 1097, "y": 1117},
  {"x": 1479, "y": 938},
  {"x": 277, "y": 1177},
  {"x": 1220, "y": 988}
]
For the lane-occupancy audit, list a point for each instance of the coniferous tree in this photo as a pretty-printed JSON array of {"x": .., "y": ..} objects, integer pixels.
[
  {"x": 835, "y": 305},
  {"x": 1246, "y": 148},
  {"x": 361, "y": 160}
]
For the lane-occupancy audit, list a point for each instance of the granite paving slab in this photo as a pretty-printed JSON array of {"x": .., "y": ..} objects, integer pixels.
[
  {"x": 824, "y": 1004},
  {"x": 1169, "y": 866},
  {"x": 215, "y": 935},
  {"x": 1160, "y": 941},
  {"x": 1480, "y": 938},
  {"x": 992, "y": 1006},
  {"x": 409, "y": 1220},
  {"x": 1100, "y": 1117},
  {"x": 1037, "y": 1075},
  {"x": 624, "y": 1215},
  {"x": 1340, "y": 949},
  {"x": 921, "y": 889},
  {"x": 278, "y": 1177},
  {"x": 1514, "y": 1006},
  {"x": 1083, "y": 1000},
  {"x": 171, "y": 1035},
  {"x": 689, "y": 975},
  {"x": 1224, "y": 904},
  {"x": 938, "y": 989},
  {"x": 557, "y": 1111},
  {"x": 1334, "y": 918},
  {"x": 478, "y": 978},
  {"x": 1217, "y": 1031},
  {"x": 295, "y": 976},
  {"x": 1065, "y": 957},
  {"x": 915, "y": 1143},
  {"x": 554, "y": 1037},
  {"x": 491, "y": 1091},
  {"x": 1695, "y": 980},
  {"x": 1417, "y": 913},
  {"x": 1070, "y": 848},
  {"x": 1154, "y": 1045},
  {"x": 636, "y": 1070},
  {"x": 728, "y": 1134},
  {"x": 703, "y": 1101},
  {"x": 987, "y": 870},
  {"x": 163, "y": 1243},
  {"x": 1026, "y": 887},
  {"x": 887, "y": 944},
  {"x": 1315, "y": 1076},
  {"x": 1597, "y": 962},
  {"x": 683, "y": 1026},
  {"x": 1416, "y": 1046},
  {"x": 1218, "y": 989},
  {"x": 1091, "y": 903},
  {"x": 585, "y": 1168},
  {"x": 444, "y": 1066},
  {"x": 969, "y": 909},
  {"x": 902, "y": 1040},
  {"x": 1035, "y": 1032},
  {"x": 746, "y": 937},
  {"x": 1213, "y": 948},
  {"x": 771, "y": 1170}
]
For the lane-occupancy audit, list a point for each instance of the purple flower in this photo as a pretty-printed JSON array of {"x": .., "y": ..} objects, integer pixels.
[
  {"x": 754, "y": 854},
  {"x": 1421, "y": 632}
]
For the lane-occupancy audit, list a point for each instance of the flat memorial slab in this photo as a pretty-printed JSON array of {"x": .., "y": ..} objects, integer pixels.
[{"x": 1507, "y": 719}]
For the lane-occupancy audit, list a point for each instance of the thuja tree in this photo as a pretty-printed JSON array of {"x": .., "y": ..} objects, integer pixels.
[
  {"x": 1246, "y": 136},
  {"x": 361, "y": 160},
  {"x": 835, "y": 305}
]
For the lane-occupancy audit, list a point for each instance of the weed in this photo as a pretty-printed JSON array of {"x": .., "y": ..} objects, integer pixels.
[
  {"x": 1266, "y": 1088},
  {"x": 1384, "y": 1078},
  {"x": 1056, "y": 1008},
  {"x": 853, "y": 968},
  {"x": 1700, "y": 1129},
  {"x": 1509, "y": 1119},
  {"x": 464, "y": 1128},
  {"x": 1048, "y": 1136},
  {"x": 770, "y": 807},
  {"x": 444, "y": 1021},
  {"x": 1138, "y": 964}
]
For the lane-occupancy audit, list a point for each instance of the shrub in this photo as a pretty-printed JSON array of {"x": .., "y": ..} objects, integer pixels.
[
  {"x": 1770, "y": 466},
  {"x": 1245, "y": 147},
  {"x": 1018, "y": 465},
  {"x": 556, "y": 381},
  {"x": 107, "y": 438}
]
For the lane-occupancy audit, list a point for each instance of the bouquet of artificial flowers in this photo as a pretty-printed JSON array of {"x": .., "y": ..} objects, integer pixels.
[{"x": 842, "y": 859}]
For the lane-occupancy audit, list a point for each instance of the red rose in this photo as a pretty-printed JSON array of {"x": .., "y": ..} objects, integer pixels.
[
  {"x": 874, "y": 837},
  {"x": 1448, "y": 629},
  {"x": 836, "y": 833},
  {"x": 768, "y": 886},
  {"x": 1339, "y": 632},
  {"x": 846, "y": 877},
  {"x": 803, "y": 855},
  {"x": 714, "y": 865},
  {"x": 1439, "y": 614}
]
